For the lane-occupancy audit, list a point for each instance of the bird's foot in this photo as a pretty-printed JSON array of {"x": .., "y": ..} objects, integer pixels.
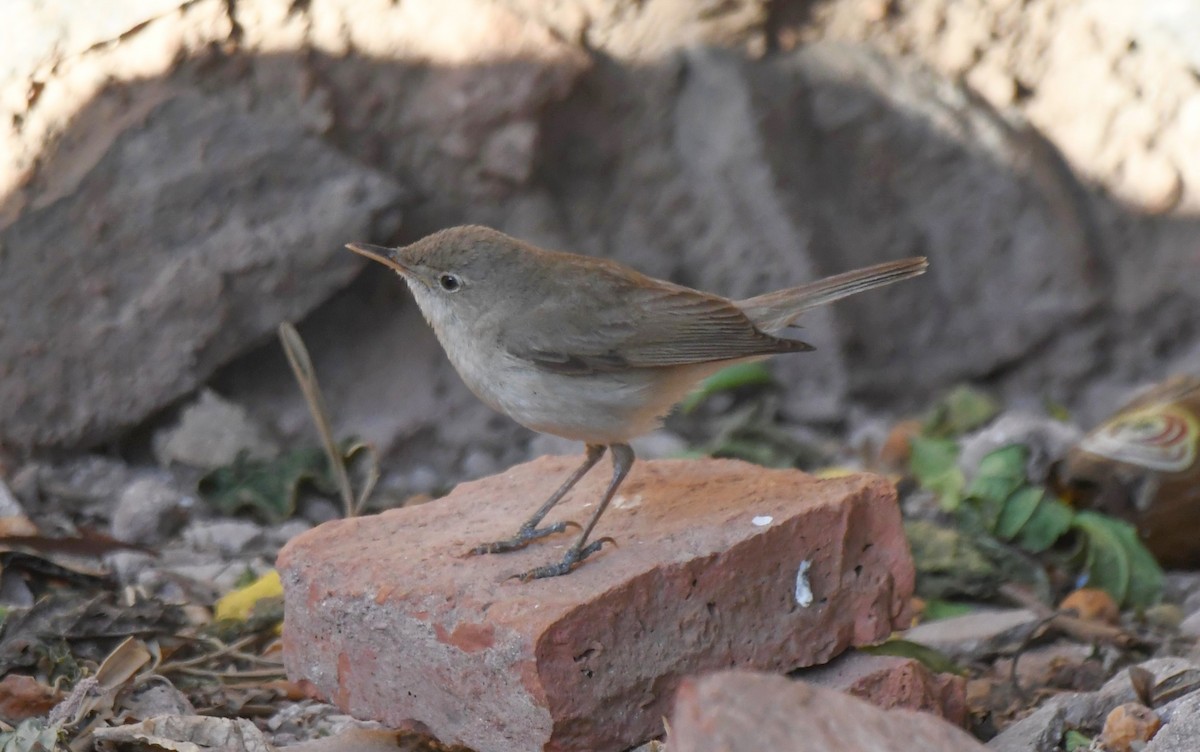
[
  {"x": 526, "y": 535},
  {"x": 573, "y": 559}
]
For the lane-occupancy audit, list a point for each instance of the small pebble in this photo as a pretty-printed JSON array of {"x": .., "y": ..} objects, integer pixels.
[
  {"x": 1190, "y": 627},
  {"x": 149, "y": 511},
  {"x": 1091, "y": 604},
  {"x": 1164, "y": 616},
  {"x": 897, "y": 447},
  {"x": 479, "y": 464},
  {"x": 227, "y": 537},
  {"x": 1128, "y": 727}
]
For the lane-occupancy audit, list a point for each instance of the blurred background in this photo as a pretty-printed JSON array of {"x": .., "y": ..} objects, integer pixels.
[{"x": 178, "y": 178}]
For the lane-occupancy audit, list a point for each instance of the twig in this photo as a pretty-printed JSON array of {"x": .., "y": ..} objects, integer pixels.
[
  {"x": 1081, "y": 629},
  {"x": 232, "y": 647},
  {"x": 260, "y": 674}
]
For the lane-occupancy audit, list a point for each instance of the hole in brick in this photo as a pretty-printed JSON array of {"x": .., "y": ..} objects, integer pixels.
[
  {"x": 585, "y": 655},
  {"x": 858, "y": 570},
  {"x": 867, "y": 546},
  {"x": 588, "y": 673},
  {"x": 712, "y": 608}
]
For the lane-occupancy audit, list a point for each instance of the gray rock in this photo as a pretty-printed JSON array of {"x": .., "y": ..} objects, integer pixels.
[
  {"x": 966, "y": 634},
  {"x": 9, "y": 505},
  {"x": 127, "y": 566},
  {"x": 211, "y": 432},
  {"x": 1190, "y": 626},
  {"x": 1042, "y": 730},
  {"x": 169, "y": 247},
  {"x": 316, "y": 509},
  {"x": 1178, "y": 586},
  {"x": 226, "y": 537},
  {"x": 277, "y": 535},
  {"x": 156, "y": 697},
  {"x": 88, "y": 484},
  {"x": 149, "y": 511},
  {"x": 14, "y": 591},
  {"x": 1182, "y": 731},
  {"x": 659, "y": 445}
]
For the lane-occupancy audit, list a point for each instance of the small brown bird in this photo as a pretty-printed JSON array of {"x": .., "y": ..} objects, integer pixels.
[{"x": 589, "y": 349}]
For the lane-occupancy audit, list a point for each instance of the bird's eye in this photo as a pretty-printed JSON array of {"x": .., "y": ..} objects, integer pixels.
[{"x": 450, "y": 283}]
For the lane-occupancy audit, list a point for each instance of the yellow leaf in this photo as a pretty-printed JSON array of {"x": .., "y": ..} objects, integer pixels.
[
  {"x": 238, "y": 604},
  {"x": 835, "y": 471}
]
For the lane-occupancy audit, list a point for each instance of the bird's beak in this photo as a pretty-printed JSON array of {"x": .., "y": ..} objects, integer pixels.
[{"x": 386, "y": 256}]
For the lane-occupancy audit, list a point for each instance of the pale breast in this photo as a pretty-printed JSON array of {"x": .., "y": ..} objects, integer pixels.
[{"x": 597, "y": 408}]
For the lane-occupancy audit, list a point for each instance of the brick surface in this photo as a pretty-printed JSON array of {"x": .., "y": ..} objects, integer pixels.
[
  {"x": 388, "y": 618},
  {"x": 889, "y": 682},
  {"x": 742, "y": 710}
]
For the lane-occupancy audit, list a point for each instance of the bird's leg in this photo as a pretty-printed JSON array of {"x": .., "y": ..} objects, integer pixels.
[
  {"x": 622, "y": 455},
  {"x": 530, "y": 531}
]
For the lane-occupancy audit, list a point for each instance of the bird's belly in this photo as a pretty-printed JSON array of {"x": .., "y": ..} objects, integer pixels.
[{"x": 598, "y": 408}]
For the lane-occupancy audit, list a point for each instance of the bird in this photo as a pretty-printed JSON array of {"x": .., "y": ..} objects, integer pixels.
[{"x": 589, "y": 349}]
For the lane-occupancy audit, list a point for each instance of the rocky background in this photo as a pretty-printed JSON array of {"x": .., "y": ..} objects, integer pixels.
[{"x": 176, "y": 178}]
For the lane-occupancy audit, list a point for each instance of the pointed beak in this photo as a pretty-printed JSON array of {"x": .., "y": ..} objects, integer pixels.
[{"x": 386, "y": 256}]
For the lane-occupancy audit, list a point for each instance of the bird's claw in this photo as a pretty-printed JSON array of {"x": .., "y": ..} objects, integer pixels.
[
  {"x": 573, "y": 558},
  {"x": 526, "y": 535}
]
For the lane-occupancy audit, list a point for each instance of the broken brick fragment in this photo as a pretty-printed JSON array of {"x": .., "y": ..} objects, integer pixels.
[{"x": 719, "y": 563}]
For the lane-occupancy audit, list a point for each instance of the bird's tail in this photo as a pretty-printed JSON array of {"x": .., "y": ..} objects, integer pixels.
[{"x": 775, "y": 311}]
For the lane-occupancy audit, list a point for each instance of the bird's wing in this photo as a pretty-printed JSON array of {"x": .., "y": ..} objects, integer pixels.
[{"x": 658, "y": 324}]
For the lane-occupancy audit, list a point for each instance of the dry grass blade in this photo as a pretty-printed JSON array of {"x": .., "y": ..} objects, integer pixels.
[
  {"x": 297, "y": 355},
  {"x": 372, "y": 473}
]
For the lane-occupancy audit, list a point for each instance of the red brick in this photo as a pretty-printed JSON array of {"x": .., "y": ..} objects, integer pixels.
[
  {"x": 388, "y": 618},
  {"x": 889, "y": 682},
  {"x": 741, "y": 710}
]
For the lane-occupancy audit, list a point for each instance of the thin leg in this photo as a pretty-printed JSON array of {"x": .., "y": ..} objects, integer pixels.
[
  {"x": 623, "y": 458},
  {"x": 530, "y": 531}
]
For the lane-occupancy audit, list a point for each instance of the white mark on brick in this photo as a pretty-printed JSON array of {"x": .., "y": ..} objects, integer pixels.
[
  {"x": 627, "y": 502},
  {"x": 804, "y": 594},
  {"x": 762, "y": 520}
]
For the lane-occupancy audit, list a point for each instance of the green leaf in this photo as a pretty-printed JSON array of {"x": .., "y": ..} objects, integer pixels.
[
  {"x": 934, "y": 660},
  {"x": 934, "y": 463},
  {"x": 963, "y": 409},
  {"x": 268, "y": 488},
  {"x": 1118, "y": 562},
  {"x": 1000, "y": 473},
  {"x": 1145, "y": 575},
  {"x": 736, "y": 376},
  {"x": 1049, "y": 522},
  {"x": 1107, "y": 562},
  {"x": 1017, "y": 510},
  {"x": 939, "y": 609},
  {"x": 1076, "y": 741}
]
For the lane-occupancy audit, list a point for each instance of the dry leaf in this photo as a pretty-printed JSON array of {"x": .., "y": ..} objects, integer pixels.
[
  {"x": 24, "y": 697},
  {"x": 194, "y": 733}
]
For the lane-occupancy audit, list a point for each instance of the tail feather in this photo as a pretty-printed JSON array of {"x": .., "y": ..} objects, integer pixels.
[{"x": 775, "y": 311}]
